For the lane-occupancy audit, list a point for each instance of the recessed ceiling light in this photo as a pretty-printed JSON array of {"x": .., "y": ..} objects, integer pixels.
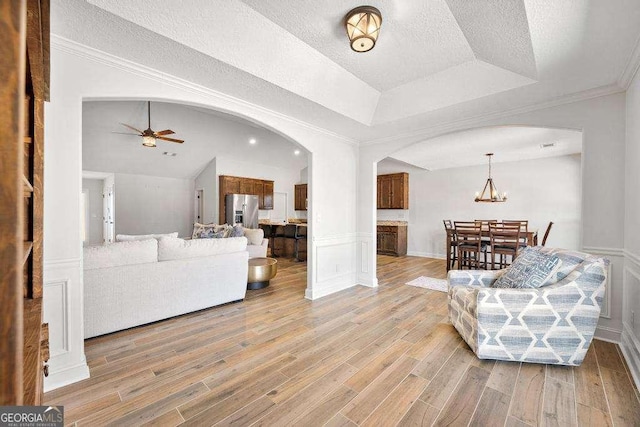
[
  {"x": 548, "y": 145},
  {"x": 296, "y": 152},
  {"x": 252, "y": 141},
  {"x": 167, "y": 153}
]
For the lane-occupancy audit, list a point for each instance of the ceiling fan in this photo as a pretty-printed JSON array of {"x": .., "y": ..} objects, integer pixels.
[{"x": 149, "y": 136}]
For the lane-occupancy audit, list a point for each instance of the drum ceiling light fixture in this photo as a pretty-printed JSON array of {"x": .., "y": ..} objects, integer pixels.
[{"x": 363, "y": 27}]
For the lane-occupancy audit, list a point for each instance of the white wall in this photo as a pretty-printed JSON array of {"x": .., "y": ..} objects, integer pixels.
[
  {"x": 207, "y": 181},
  {"x": 602, "y": 121},
  {"x": 93, "y": 187},
  {"x": 283, "y": 179},
  {"x": 79, "y": 73},
  {"x": 540, "y": 190},
  {"x": 153, "y": 205},
  {"x": 631, "y": 316}
]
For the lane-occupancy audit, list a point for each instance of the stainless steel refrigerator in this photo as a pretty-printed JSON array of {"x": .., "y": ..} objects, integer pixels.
[{"x": 241, "y": 209}]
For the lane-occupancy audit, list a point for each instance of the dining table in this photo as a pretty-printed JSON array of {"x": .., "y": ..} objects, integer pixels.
[{"x": 532, "y": 239}]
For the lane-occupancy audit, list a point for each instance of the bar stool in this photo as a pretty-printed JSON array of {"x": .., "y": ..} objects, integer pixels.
[
  {"x": 301, "y": 233},
  {"x": 277, "y": 232},
  {"x": 290, "y": 234},
  {"x": 452, "y": 241}
]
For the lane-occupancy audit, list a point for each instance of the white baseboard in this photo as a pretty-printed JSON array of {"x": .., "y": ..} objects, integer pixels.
[
  {"x": 604, "y": 333},
  {"x": 630, "y": 347},
  {"x": 426, "y": 255},
  {"x": 368, "y": 281},
  {"x": 336, "y": 284},
  {"x": 67, "y": 376}
]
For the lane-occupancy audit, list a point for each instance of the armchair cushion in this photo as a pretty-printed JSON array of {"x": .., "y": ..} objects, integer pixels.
[{"x": 531, "y": 269}]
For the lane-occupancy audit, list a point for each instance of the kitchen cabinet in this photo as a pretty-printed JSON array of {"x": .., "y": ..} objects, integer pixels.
[
  {"x": 391, "y": 240},
  {"x": 267, "y": 191},
  {"x": 300, "y": 197},
  {"x": 393, "y": 191},
  {"x": 240, "y": 185}
]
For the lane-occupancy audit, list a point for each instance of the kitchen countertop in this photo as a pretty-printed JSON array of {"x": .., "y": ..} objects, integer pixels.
[{"x": 393, "y": 223}]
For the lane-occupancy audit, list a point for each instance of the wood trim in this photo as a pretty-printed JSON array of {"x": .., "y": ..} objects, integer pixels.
[
  {"x": 38, "y": 199},
  {"x": 38, "y": 46},
  {"x": 12, "y": 75}
]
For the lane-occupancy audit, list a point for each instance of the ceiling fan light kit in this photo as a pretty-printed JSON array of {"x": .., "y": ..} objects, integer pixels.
[
  {"x": 363, "y": 27},
  {"x": 149, "y": 137},
  {"x": 490, "y": 193}
]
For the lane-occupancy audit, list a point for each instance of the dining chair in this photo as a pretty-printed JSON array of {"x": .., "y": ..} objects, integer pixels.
[
  {"x": 453, "y": 243},
  {"x": 546, "y": 233},
  {"x": 505, "y": 242},
  {"x": 470, "y": 247},
  {"x": 524, "y": 230}
]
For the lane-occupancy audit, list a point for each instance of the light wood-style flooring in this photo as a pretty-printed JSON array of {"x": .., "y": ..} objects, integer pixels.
[{"x": 371, "y": 357}]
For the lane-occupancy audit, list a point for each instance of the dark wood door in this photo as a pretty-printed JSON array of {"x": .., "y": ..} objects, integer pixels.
[
  {"x": 258, "y": 190},
  {"x": 384, "y": 192},
  {"x": 267, "y": 191},
  {"x": 246, "y": 186},
  {"x": 399, "y": 197},
  {"x": 300, "y": 197}
]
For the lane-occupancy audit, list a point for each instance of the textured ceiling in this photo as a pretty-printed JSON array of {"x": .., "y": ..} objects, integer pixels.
[
  {"x": 436, "y": 61},
  {"x": 206, "y": 134},
  {"x": 508, "y": 143}
]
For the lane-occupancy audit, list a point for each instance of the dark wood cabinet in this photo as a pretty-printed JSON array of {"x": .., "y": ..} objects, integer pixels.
[
  {"x": 393, "y": 191},
  {"x": 391, "y": 240},
  {"x": 300, "y": 197},
  {"x": 239, "y": 185},
  {"x": 267, "y": 192}
]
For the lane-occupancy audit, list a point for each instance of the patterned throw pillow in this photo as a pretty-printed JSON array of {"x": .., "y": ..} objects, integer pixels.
[
  {"x": 210, "y": 231},
  {"x": 532, "y": 269},
  {"x": 237, "y": 231}
]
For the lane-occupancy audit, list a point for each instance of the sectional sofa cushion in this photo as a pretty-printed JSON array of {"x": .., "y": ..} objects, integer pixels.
[
  {"x": 531, "y": 269},
  {"x": 172, "y": 248},
  {"x": 132, "y": 237},
  {"x": 121, "y": 253}
]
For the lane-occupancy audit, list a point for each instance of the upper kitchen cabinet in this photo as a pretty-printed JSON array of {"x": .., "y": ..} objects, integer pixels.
[
  {"x": 300, "y": 197},
  {"x": 393, "y": 191},
  {"x": 267, "y": 191}
]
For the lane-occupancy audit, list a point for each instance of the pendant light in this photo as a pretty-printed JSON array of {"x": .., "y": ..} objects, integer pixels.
[{"x": 490, "y": 192}]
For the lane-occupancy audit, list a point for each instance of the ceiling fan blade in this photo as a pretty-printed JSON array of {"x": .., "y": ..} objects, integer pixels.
[
  {"x": 124, "y": 133},
  {"x": 132, "y": 128},
  {"x": 164, "y": 138},
  {"x": 164, "y": 132}
]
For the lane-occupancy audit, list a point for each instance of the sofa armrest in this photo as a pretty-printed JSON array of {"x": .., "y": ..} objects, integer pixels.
[
  {"x": 482, "y": 278},
  {"x": 265, "y": 242}
]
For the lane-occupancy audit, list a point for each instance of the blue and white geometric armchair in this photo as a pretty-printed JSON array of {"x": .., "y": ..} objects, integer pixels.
[{"x": 553, "y": 324}]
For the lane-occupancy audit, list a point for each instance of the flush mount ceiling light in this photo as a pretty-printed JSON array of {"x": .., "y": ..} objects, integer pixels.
[
  {"x": 493, "y": 196},
  {"x": 363, "y": 27},
  {"x": 296, "y": 152}
]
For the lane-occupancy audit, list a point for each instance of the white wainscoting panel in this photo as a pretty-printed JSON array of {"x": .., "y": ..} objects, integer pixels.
[
  {"x": 63, "y": 290},
  {"x": 56, "y": 307},
  {"x": 366, "y": 260},
  {"x": 630, "y": 342},
  {"x": 334, "y": 265}
]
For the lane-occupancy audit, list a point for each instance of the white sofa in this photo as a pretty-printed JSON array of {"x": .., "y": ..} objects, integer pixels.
[
  {"x": 132, "y": 283},
  {"x": 258, "y": 251}
]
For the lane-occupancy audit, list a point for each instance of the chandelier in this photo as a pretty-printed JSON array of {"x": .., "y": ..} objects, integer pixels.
[
  {"x": 363, "y": 26},
  {"x": 490, "y": 192}
]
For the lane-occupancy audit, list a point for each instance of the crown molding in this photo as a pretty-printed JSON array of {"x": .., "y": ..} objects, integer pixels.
[
  {"x": 72, "y": 47},
  {"x": 454, "y": 125},
  {"x": 630, "y": 70}
]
